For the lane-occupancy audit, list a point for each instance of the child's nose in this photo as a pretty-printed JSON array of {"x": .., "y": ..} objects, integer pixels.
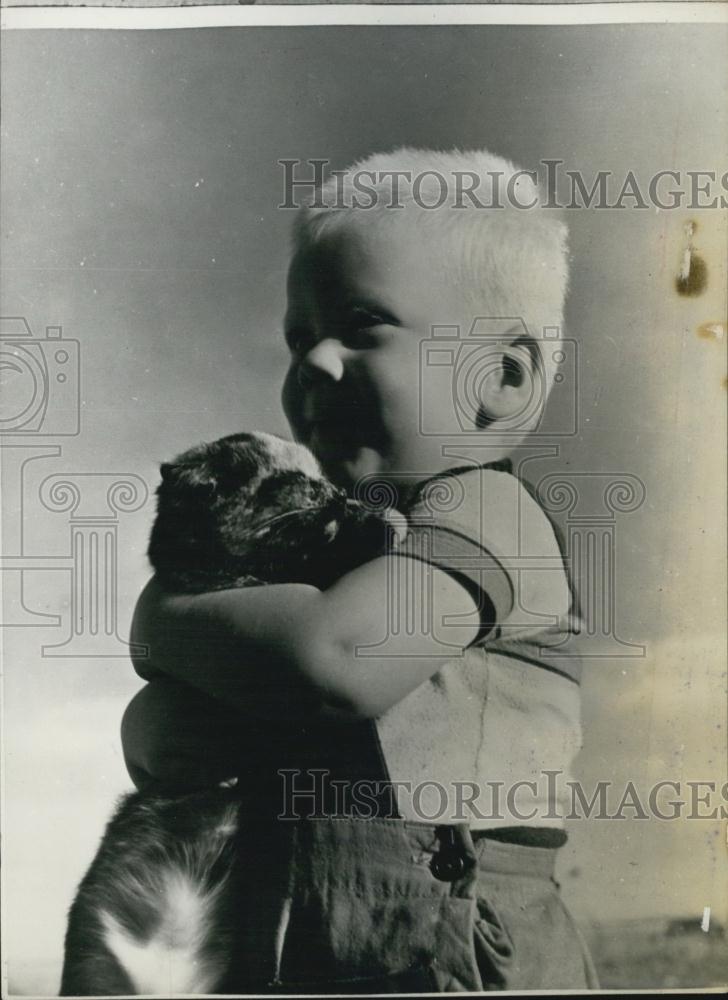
[{"x": 324, "y": 359}]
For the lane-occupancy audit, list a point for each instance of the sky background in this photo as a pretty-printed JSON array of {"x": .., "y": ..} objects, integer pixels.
[{"x": 140, "y": 189}]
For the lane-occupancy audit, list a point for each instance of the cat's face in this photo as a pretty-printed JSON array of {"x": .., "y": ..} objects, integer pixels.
[
  {"x": 250, "y": 504},
  {"x": 244, "y": 484}
]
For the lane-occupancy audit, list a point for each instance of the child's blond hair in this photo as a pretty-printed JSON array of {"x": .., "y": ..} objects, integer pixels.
[{"x": 509, "y": 258}]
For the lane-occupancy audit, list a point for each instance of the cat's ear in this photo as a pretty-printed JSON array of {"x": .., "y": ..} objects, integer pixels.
[{"x": 188, "y": 480}]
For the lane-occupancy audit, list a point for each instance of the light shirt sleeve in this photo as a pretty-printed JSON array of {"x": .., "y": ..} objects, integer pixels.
[{"x": 483, "y": 528}]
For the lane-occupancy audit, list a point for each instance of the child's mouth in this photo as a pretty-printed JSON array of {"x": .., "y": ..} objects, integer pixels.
[
  {"x": 337, "y": 432},
  {"x": 334, "y": 425},
  {"x": 332, "y": 437}
]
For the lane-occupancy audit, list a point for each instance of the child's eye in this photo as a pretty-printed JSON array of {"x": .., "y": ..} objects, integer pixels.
[
  {"x": 363, "y": 323},
  {"x": 364, "y": 318}
]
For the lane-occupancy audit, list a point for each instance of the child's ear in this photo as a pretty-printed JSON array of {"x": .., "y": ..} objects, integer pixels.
[{"x": 507, "y": 392}]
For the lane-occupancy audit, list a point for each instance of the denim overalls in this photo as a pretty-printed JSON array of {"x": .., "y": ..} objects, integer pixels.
[{"x": 347, "y": 904}]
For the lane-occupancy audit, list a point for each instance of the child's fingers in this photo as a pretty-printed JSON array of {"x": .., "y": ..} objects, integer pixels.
[{"x": 398, "y": 523}]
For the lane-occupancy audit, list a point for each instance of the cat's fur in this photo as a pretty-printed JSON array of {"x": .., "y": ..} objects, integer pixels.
[{"x": 159, "y": 909}]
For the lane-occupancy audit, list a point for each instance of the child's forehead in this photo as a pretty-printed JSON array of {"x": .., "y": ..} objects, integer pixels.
[
  {"x": 342, "y": 247},
  {"x": 361, "y": 257}
]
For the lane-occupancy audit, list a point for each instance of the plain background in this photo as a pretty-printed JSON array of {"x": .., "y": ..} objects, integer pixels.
[{"x": 140, "y": 192}]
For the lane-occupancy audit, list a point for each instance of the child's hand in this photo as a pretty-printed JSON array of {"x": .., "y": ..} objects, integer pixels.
[{"x": 399, "y": 524}]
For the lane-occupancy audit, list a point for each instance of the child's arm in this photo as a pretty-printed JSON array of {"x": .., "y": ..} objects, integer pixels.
[
  {"x": 175, "y": 737},
  {"x": 290, "y": 649}
]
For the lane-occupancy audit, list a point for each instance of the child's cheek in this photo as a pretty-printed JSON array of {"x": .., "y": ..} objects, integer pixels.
[{"x": 292, "y": 402}]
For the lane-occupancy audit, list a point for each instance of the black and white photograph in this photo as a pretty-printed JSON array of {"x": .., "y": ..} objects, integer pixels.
[{"x": 363, "y": 449}]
